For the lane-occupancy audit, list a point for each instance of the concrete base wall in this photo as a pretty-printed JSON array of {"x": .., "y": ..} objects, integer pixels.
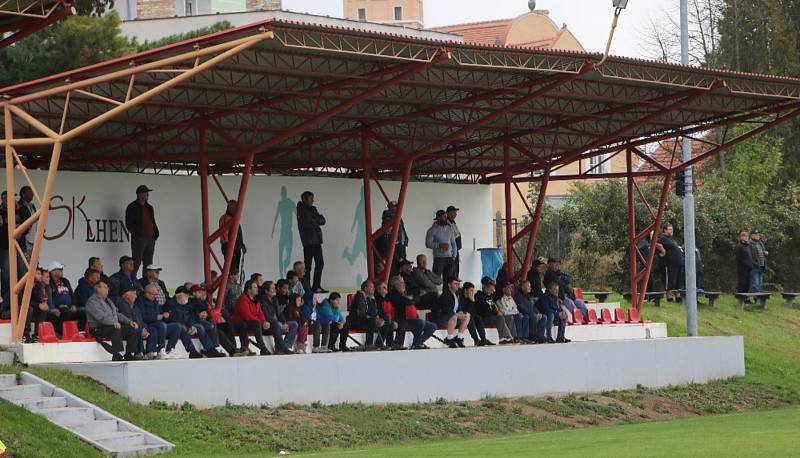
[{"x": 418, "y": 376}]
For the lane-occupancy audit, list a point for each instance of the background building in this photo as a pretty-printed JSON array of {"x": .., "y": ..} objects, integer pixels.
[
  {"x": 405, "y": 13},
  {"x": 152, "y": 9}
]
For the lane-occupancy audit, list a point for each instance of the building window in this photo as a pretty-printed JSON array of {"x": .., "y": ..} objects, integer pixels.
[
  {"x": 362, "y": 14},
  {"x": 398, "y": 13},
  {"x": 597, "y": 166}
]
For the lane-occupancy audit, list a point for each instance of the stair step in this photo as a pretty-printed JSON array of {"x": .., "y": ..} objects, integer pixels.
[
  {"x": 87, "y": 428},
  {"x": 16, "y": 392},
  {"x": 6, "y": 358},
  {"x": 140, "y": 450},
  {"x": 7, "y": 380},
  {"x": 68, "y": 414},
  {"x": 120, "y": 439},
  {"x": 36, "y": 404}
]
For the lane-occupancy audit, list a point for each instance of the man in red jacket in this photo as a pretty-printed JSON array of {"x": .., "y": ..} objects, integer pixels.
[{"x": 248, "y": 317}]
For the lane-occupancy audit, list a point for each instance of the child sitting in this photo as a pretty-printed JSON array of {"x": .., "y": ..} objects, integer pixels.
[
  {"x": 294, "y": 312},
  {"x": 331, "y": 315}
]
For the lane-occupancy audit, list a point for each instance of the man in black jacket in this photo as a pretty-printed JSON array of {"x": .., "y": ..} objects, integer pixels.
[
  {"x": 403, "y": 304},
  {"x": 535, "y": 277},
  {"x": 123, "y": 279},
  {"x": 449, "y": 313},
  {"x": 744, "y": 263},
  {"x": 278, "y": 326},
  {"x": 309, "y": 223},
  {"x": 671, "y": 261},
  {"x": 151, "y": 275},
  {"x": 365, "y": 314},
  {"x": 140, "y": 220}
]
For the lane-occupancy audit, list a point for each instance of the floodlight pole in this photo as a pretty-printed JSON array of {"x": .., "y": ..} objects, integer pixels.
[{"x": 690, "y": 298}]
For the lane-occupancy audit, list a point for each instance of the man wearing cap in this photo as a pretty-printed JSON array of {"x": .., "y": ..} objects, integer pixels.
[
  {"x": 127, "y": 306},
  {"x": 535, "y": 277},
  {"x": 124, "y": 278},
  {"x": 226, "y": 220},
  {"x": 382, "y": 244},
  {"x": 452, "y": 213},
  {"x": 759, "y": 254},
  {"x": 63, "y": 306},
  {"x": 441, "y": 238},
  {"x": 106, "y": 323},
  {"x": 97, "y": 264},
  {"x": 309, "y": 225},
  {"x": 151, "y": 276},
  {"x": 485, "y": 307},
  {"x": 140, "y": 220},
  {"x": 449, "y": 313},
  {"x": 183, "y": 324},
  {"x": 550, "y": 306}
]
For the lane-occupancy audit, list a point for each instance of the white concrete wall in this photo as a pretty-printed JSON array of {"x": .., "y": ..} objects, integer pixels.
[
  {"x": 418, "y": 376},
  {"x": 87, "y": 196}
]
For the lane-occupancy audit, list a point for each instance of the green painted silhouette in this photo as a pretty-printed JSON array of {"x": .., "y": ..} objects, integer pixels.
[
  {"x": 285, "y": 211},
  {"x": 359, "y": 226}
]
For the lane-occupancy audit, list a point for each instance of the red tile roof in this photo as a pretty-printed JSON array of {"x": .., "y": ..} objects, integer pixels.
[
  {"x": 487, "y": 32},
  {"x": 663, "y": 155}
]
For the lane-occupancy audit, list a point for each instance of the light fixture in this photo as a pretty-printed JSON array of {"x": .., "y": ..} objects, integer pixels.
[{"x": 620, "y": 4}]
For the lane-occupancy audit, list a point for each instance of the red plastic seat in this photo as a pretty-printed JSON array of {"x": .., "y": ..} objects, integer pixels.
[
  {"x": 633, "y": 315},
  {"x": 350, "y": 298},
  {"x": 619, "y": 315},
  {"x": 592, "y": 318},
  {"x": 47, "y": 334},
  {"x": 577, "y": 317},
  {"x": 578, "y": 293},
  {"x": 69, "y": 329},
  {"x": 605, "y": 316}
]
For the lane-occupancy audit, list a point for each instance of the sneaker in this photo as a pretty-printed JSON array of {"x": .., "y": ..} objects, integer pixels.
[
  {"x": 171, "y": 355},
  {"x": 162, "y": 353},
  {"x": 265, "y": 352},
  {"x": 194, "y": 354},
  {"x": 300, "y": 351},
  {"x": 317, "y": 350},
  {"x": 420, "y": 347},
  {"x": 399, "y": 347},
  {"x": 480, "y": 343},
  {"x": 117, "y": 357},
  {"x": 489, "y": 343},
  {"x": 345, "y": 350},
  {"x": 240, "y": 353},
  {"x": 563, "y": 340},
  {"x": 506, "y": 342},
  {"x": 151, "y": 356},
  {"x": 213, "y": 353},
  {"x": 451, "y": 342},
  {"x": 550, "y": 340},
  {"x": 283, "y": 351},
  {"x": 129, "y": 357},
  {"x": 460, "y": 342}
]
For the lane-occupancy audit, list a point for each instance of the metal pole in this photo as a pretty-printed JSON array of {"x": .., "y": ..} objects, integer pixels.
[
  {"x": 509, "y": 231},
  {"x": 368, "y": 205},
  {"x": 632, "y": 251},
  {"x": 688, "y": 201}
]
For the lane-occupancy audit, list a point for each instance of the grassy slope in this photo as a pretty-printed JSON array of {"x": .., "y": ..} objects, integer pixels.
[
  {"x": 752, "y": 434},
  {"x": 772, "y": 340}
]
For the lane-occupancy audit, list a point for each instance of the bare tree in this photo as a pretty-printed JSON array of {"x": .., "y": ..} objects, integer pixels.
[{"x": 660, "y": 38}]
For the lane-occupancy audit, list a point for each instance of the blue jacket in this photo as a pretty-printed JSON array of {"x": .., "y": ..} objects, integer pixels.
[
  {"x": 326, "y": 314},
  {"x": 524, "y": 303},
  {"x": 548, "y": 304},
  {"x": 83, "y": 292},
  {"x": 149, "y": 309},
  {"x": 64, "y": 297},
  {"x": 181, "y": 313},
  {"x": 308, "y": 306}
]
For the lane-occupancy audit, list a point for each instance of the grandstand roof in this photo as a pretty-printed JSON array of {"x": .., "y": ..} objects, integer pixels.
[
  {"x": 20, "y": 18},
  {"x": 311, "y": 98}
]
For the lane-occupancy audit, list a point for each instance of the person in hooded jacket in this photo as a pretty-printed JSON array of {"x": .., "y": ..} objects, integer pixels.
[{"x": 309, "y": 224}]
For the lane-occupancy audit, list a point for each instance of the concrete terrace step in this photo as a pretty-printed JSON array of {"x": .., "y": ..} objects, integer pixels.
[
  {"x": 110, "y": 435},
  {"x": 6, "y": 358}
]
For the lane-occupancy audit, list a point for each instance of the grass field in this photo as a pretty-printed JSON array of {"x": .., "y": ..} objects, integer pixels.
[
  {"x": 772, "y": 352},
  {"x": 752, "y": 434}
]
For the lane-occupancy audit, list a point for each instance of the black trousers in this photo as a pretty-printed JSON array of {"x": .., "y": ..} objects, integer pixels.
[
  {"x": 125, "y": 332},
  {"x": 236, "y": 259},
  {"x": 743, "y": 280},
  {"x": 223, "y": 335},
  {"x": 477, "y": 328},
  {"x": 443, "y": 266},
  {"x": 36, "y": 316},
  {"x": 276, "y": 331},
  {"x": 142, "y": 249},
  {"x": 244, "y": 328},
  {"x": 66, "y": 315},
  {"x": 313, "y": 253},
  {"x": 340, "y": 334}
]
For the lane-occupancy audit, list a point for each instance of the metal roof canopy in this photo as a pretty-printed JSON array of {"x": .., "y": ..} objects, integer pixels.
[
  {"x": 282, "y": 96},
  {"x": 20, "y": 18}
]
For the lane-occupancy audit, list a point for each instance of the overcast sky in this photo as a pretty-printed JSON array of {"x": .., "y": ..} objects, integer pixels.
[{"x": 589, "y": 20}]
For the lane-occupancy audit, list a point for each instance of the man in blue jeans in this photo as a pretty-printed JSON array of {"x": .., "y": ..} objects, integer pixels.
[
  {"x": 759, "y": 255},
  {"x": 405, "y": 315},
  {"x": 183, "y": 322},
  {"x": 550, "y": 307}
]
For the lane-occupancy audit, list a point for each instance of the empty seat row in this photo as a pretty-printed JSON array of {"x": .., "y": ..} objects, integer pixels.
[{"x": 606, "y": 318}]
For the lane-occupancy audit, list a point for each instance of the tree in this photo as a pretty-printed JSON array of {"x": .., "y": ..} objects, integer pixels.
[{"x": 661, "y": 36}]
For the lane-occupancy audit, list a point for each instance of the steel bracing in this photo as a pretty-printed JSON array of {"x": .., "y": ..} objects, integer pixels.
[{"x": 304, "y": 99}]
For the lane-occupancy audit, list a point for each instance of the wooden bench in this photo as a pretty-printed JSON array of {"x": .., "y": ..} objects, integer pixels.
[
  {"x": 712, "y": 297},
  {"x": 601, "y": 296},
  {"x": 652, "y": 296},
  {"x": 790, "y": 298},
  {"x": 760, "y": 298}
]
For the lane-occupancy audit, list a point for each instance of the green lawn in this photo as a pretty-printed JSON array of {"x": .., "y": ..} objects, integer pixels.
[{"x": 752, "y": 434}]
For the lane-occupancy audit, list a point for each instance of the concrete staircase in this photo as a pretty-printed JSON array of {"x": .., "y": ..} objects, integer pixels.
[{"x": 109, "y": 434}]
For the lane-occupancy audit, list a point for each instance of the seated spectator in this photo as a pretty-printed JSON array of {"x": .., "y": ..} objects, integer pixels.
[
  {"x": 565, "y": 292},
  {"x": 106, "y": 323},
  {"x": 185, "y": 319},
  {"x": 502, "y": 276},
  {"x": 448, "y": 313},
  {"x": 124, "y": 278},
  {"x": 39, "y": 306},
  {"x": 63, "y": 306},
  {"x": 385, "y": 306},
  {"x": 487, "y": 309},
  {"x": 365, "y": 314},
  {"x": 154, "y": 319},
  {"x": 258, "y": 278},
  {"x": 126, "y": 305},
  {"x": 336, "y": 322},
  {"x": 232, "y": 292},
  {"x": 510, "y": 313},
  {"x": 96, "y": 264},
  {"x": 202, "y": 309},
  {"x": 420, "y": 285},
  {"x": 300, "y": 268},
  {"x": 322, "y": 317},
  {"x": 248, "y": 317},
  {"x": 295, "y": 285},
  {"x": 535, "y": 277},
  {"x": 151, "y": 276},
  {"x": 549, "y": 306},
  {"x": 294, "y": 312},
  {"x": 278, "y": 326},
  {"x": 476, "y": 327},
  {"x": 405, "y": 313},
  {"x": 310, "y": 315},
  {"x": 531, "y": 324},
  {"x": 85, "y": 287}
]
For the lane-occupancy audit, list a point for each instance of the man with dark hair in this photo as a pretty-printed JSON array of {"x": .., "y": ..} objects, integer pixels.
[
  {"x": 295, "y": 285},
  {"x": 424, "y": 282},
  {"x": 140, "y": 220},
  {"x": 151, "y": 276},
  {"x": 530, "y": 325},
  {"x": 452, "y": 213},
  {"x": 382, "y": 244},
  {"x": 27, "y": 209},
  {"x": 226, "y": 220},
  {"x": 423, "y": 297},
  {"x": 405, "y": 313},
  {"x": 441, "y": 238},
  {"x": 309, "y": 224},
  {"x": 489, "y": 312},
  {"x": 759, "y": 254},
  {"x": 106, "y": 323},
  {"x": 257, "y": 278},
  {"x": 97, "y": 264},
  {"x": 183, "y": 323},
  {"x": 365, "y": 314},
  {"x": 85, "y": 287},
  {"x": 278, "y": 326},
  {"x": 125, "y": 278},
  {"x": 232, "y": 292},
  {"x": 549, "y": 306},
  {"x": 449, "y": 313},
  {"x": 535, "y": 277},
  {"x": 671, "y": 261},
  {"x": 744, "y": 262}
]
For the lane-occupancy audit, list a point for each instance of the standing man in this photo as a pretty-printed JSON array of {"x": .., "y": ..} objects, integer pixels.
[
  {"x": 309, "y": 224},
  {"x": 140, "y": 219},
  {"x": 226, "y": 236},
  {"x": 3, "y": 253},
  {"x": 441, "y": 238},
  {"x": 26, "y": 210},
  {"x": 759, "y": 255},
  {"x": 452, "y": 212},
  {"x": 671, "y": 260},
  {"x": 744, "y": 263}
]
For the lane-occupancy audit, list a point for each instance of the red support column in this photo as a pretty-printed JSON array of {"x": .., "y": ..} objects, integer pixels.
[
  {"x": 509, "y": 228},
  {"x": 204, "y": 206},
  {"x": 632, "y": 250},
  {"x": 368, "y": 206},
  {"x": 536, "y": 223},
  {"x": 401, "y": 201},
  {"x": 644, "y": 277}
]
